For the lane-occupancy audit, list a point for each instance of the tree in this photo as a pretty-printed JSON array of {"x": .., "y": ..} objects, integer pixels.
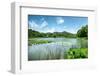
[
  {"x": 30, "y": 33},
  {"x": 83, "y": 32},
  {"x": 35, "y": 34}
]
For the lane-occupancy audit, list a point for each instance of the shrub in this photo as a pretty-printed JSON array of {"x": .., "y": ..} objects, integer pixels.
[{"x": 76, "y": 53}]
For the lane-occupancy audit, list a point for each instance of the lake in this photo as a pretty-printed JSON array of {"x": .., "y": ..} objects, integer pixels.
[{"x": 55, "y": 49}]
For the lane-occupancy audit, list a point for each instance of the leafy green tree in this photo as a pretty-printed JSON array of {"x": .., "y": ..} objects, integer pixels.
[
  {"x": 83, "y": 32},
  {"x": 30, "y": 33}
]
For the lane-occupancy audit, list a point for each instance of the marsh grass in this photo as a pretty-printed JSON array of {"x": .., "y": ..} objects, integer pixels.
[
  {"x": 47, "y": 52},
  {"x": 36, "y": 41},
  {"x": 45, "y": 49}
]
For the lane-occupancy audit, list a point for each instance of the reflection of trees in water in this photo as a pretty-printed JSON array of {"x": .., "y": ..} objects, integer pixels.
[
  {"x": 82, "y": 43},
  {"x": 55, "y": 50}
]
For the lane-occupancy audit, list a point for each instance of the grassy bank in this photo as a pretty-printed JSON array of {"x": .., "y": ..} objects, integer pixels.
[
  {"x": 36, "y": 41},
  {"x": 76, "y": 53}
]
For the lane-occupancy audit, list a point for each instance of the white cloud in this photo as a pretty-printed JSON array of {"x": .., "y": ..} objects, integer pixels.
[
  {"x": 51, "y": 30},
  {"x": 32, "y": 25},
  {"x": 44, "y": 24},
  {"x": 39, "y": 27},
  {"x": 59, "y": 20}
]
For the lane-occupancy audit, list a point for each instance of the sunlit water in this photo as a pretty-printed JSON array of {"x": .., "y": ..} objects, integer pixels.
[{"x": 54, "y": 50}]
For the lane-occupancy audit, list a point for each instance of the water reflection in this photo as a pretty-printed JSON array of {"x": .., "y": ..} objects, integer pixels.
[{"x": 56, "y": 49}]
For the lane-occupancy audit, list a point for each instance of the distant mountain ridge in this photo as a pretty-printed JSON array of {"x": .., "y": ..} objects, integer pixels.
[{"x": 34, "y": 33}]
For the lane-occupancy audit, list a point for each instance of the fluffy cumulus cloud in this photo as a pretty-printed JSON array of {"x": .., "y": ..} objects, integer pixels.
[
  {"x": 59, "y": 20},
  {"x": 32, "y": 25},
  {"x": 43, "y": 27},
  {"x": 44, "y": 24}
]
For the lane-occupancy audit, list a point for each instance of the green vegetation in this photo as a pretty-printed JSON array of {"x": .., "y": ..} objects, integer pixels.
[
  {"x": 82, "y": 52},
  {"x": 72, "y": 53},
  {"x": 76, "y": 53},
  {"x": 83, "y": 32},
  {"x": 36, "y": 34},
  {"x": 35, "y": 41}
]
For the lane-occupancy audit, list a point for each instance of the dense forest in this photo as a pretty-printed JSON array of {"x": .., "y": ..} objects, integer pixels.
[{"x": 83, "y": 32}]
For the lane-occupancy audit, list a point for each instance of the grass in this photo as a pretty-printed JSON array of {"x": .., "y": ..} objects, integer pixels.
[
  {"x": 76, "y": 53},
  {"x": 35, "y": 41},
  {"x": 45, "y": 53},
  {"x": 55, "y": 52}
]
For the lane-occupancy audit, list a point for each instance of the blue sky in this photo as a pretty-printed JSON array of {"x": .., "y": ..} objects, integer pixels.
[{"x": 52, "y": 24}]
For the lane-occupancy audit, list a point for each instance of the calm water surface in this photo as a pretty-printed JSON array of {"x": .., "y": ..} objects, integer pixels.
[{"x": 56, "y": 49}]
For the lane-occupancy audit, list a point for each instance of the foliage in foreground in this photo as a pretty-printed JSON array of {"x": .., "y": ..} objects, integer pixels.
[{"x": 76, "y": 53}]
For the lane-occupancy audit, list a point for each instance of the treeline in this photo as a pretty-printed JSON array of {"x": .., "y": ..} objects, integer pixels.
[
  {"x": 33, "y": 34},
  {"x": 83, "y": 32}
]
